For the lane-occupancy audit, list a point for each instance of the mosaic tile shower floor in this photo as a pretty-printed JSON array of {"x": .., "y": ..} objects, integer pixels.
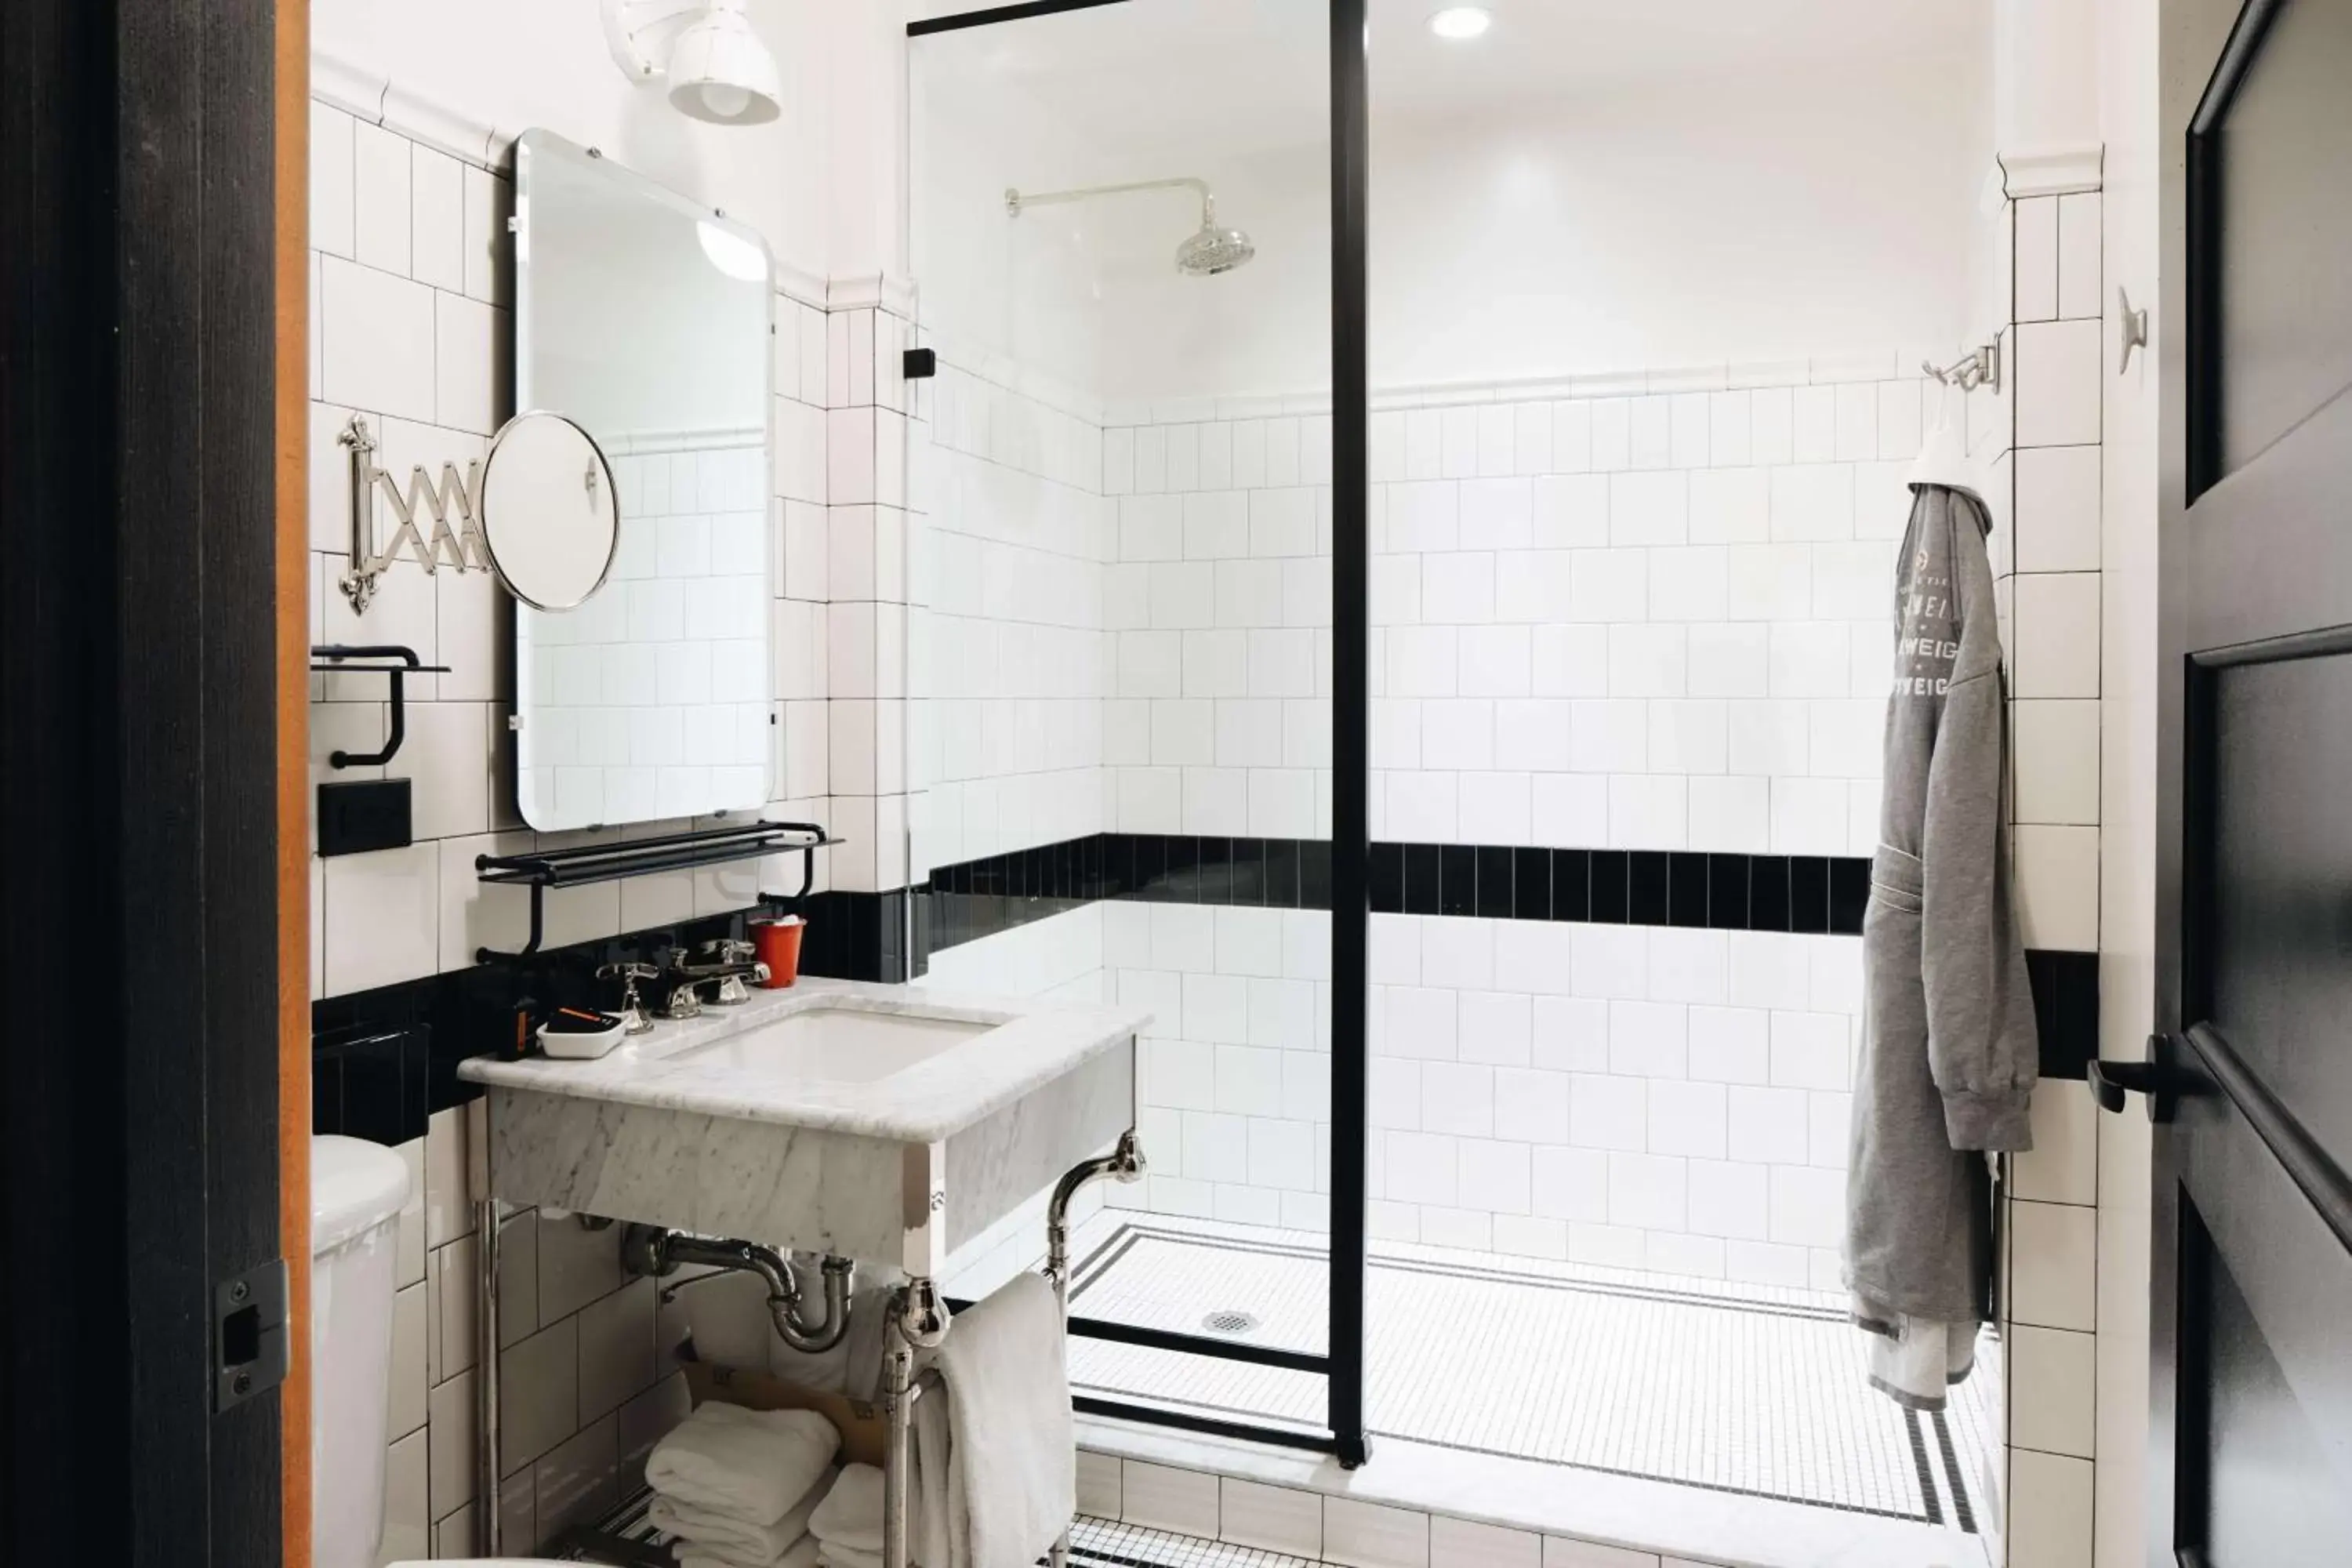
[{"x": 1747, "y": 1389}]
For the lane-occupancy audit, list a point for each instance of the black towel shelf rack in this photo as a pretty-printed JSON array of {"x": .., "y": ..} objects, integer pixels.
[
  {"x": 394, "y": 662},
  {"x": 584, "y": 863}
]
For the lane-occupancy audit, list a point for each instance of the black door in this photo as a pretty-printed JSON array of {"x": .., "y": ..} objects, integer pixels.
[
  {"x": 2250, "y": 1451},
  {"x": 146, "y": 316}
]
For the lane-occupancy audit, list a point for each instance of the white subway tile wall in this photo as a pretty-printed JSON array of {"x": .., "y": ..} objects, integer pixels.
[
  {"x": 1644, "y": 1097},
  {"x": 1680, "y": 645},
  {"x": 587, "y": 1374},
  {"x": 1007, "y": 545},
  {"x": 2043, "y": 454}
]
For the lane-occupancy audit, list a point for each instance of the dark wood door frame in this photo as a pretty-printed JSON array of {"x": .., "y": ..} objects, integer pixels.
[{"x": 150, "y": 598}]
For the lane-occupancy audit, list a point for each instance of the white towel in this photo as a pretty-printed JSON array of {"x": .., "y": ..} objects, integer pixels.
[
  {"x": 996, "y": 1449},
  {"x": 832, "y": 1556},
  {"x": 850, "y": 1516},
  {"x": 728, "y": 1535},
  {"x": 800, "y": 1554},
  {"x": 756, "y": 1464}
]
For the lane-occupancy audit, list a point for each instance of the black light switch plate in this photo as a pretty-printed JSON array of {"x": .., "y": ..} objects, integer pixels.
[
  {"x": 920, "y": 364},
  {"x": 363, "y": 814}
]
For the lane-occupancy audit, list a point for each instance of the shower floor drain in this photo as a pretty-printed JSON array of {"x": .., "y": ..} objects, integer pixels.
[{"x": 1227, "y": 1321}]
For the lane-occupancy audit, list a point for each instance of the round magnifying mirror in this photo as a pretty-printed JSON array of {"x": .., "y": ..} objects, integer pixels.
[{"x": 548, "y": 516}]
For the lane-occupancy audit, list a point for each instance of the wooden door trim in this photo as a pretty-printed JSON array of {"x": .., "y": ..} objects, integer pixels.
[{"x": 290, "y": 247}]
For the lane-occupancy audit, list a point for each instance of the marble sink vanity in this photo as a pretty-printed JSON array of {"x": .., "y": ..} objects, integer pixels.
[
  {"x": 875, "y": 1124},
  {"x": 888, "y": 1124}
]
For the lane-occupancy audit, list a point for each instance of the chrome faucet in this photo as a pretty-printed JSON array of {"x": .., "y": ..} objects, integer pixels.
[{"x": 722, "y": 978}]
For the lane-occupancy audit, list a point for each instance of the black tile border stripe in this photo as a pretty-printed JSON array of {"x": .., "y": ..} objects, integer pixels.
[
  {"x": 385, "y": 1060},
  {"x": 1694, "y": 890}
]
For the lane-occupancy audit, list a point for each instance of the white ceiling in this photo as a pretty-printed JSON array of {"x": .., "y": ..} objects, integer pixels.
[{"x": 1219, "y": 76}]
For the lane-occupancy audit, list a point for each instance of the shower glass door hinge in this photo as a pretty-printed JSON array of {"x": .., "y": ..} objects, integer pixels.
[{"x": 249, "y": 1345}]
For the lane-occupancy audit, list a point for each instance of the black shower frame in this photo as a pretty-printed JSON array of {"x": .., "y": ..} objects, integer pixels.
[{"x": 1342, "y": 1364}]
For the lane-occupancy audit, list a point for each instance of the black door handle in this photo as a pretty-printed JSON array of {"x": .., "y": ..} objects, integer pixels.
[{"x": 2156, "y": 1078}]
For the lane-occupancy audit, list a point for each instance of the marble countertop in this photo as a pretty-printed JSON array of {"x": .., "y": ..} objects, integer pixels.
[{"x": 1029, "y": 1044}]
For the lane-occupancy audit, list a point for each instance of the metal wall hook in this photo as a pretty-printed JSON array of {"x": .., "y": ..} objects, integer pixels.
[
  {"x": 2133, "y": 325},
  {"x": 1978, "y": 367}
]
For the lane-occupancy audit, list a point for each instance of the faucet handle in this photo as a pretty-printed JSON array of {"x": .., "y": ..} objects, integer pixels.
[
  {"x": 728, "y": 950},
  {"x": 634, "y": 1020}
]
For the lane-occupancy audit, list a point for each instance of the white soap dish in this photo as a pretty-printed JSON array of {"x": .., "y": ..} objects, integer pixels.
[{"x": 579, "y": 1044}]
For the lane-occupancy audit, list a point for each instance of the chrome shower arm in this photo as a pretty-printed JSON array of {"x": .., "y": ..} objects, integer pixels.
[{"x": 1015, "y": 200}]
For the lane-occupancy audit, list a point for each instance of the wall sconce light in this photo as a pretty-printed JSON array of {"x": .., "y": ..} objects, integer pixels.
[{"x": 719, "y": 70}]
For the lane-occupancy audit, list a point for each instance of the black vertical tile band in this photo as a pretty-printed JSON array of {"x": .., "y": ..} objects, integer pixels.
[
  {"x": 1689, "y": 889},
  {"x": 1647, "y": 889},
  {"x": 1531, "y": 884},
  {"x": 1420, "y": 879},
  {"x": 2065, "y": 1010},
  {"x": 1611, "y": 902},
  {"x": 1572, "y": 884},
  {"x": 1457, "y": 880}
]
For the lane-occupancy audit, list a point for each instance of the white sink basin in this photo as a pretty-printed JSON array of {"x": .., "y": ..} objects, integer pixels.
[{"x": 838, "y": 1045}]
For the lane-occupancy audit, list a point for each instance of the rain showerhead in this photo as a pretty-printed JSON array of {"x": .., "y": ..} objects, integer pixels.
[
  {"x": 1206, "y": 254},
  {"x": 1214, "y": 250}
]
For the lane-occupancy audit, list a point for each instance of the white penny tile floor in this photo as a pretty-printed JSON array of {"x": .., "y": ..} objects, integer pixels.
[{"x": 1750, "y": 1390}]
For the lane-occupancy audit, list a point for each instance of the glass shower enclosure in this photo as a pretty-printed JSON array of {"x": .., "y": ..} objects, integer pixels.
[{"x": 1135, "y": 724}]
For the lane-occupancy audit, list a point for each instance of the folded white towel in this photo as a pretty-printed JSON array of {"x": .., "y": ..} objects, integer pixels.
[
  {"x": 712, "y": 1530},
  {"x": 850, "y": 1516},
  {"x": 756, "y": 1464},
  {"x": 832, "y": 1556},
  {"x": 996, "y": 1449},
  {"x": 800, "y": 1554}
]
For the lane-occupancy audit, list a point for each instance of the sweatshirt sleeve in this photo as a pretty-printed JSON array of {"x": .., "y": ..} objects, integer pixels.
[{"x": 1960, "y": 923}]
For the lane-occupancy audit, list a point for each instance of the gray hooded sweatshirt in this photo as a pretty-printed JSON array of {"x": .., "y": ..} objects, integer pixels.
[{"x": 1949, "y": 1054}]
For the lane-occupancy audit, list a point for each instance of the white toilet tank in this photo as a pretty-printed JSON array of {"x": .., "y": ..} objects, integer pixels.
[{"x": 356, "y": 1191}]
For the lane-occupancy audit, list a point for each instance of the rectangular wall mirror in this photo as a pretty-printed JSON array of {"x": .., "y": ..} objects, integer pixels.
[{"x": 646, "y": 320}]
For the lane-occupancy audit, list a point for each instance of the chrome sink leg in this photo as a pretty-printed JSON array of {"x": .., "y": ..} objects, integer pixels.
[
  {"x": 918, "y": 1320},
  {"x": 1125, "y": 1164},
  {"x": 485, "y": 1378}
]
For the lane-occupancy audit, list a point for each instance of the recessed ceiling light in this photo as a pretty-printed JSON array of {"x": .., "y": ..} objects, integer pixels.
[{"x": 1462, "y": 22}]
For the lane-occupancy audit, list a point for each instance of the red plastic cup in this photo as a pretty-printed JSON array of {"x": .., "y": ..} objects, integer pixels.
[{"x": 778, "y": 944}]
